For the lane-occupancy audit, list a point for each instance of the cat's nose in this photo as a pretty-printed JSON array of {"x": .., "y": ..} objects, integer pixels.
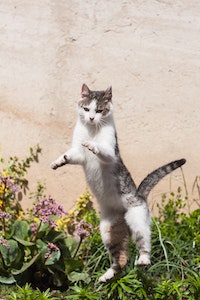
[{"x": 91, "y": 119}]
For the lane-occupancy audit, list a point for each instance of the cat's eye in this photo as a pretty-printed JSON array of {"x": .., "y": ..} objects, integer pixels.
[
  {"x": 86, "y": 109},
  {"x": 99, "y": 111}
]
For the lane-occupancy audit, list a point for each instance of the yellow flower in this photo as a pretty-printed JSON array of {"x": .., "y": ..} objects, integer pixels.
[
  {"x": 20, "y": 214},
  {"x": 59, "y": 222},
  {"x": 37, "y": 220},
  {"x": 71, "y": 212},
  {"x": 5, "y": 174},
  {"x": 3, "y": 188}
]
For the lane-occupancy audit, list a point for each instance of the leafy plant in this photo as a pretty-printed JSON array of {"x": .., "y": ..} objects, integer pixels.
[
  {"x": 125, "y": 287},
  {"x": 27, "y": 293},
  {"x": 32, "y": 248},
  {"x": 83, "y": 293}
]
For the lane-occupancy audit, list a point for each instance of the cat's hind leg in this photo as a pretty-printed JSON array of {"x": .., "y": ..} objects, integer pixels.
[
  {"x": 115, "y": 235},
  {"x": 139, "y": 221}
]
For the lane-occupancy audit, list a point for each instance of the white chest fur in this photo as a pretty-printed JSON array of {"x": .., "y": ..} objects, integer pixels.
[{"x": 99, "y": 174}]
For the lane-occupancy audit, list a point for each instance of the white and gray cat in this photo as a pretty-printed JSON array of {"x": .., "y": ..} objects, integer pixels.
[{"x": 124, "y": 209}]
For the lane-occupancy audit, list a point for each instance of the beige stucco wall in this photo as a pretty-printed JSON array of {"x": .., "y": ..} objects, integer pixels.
[{"x": 149, "y": 51}]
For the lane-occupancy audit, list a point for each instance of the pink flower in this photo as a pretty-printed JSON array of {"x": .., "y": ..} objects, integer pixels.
[
  {"x": 9, "y": 184},
  {"x": 33, "y": 227},
  {"x": 48, "y": 255},
  {"x": 46, "y": 209},
  {"x": 84, "y": 229},
  {"x": 5, "y": 215},
  {"x": 51, "y": 248},
  {"x": 4, "y": 243}
]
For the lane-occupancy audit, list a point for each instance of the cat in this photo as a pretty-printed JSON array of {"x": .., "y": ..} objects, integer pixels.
[{"x": 123, "y": 206}]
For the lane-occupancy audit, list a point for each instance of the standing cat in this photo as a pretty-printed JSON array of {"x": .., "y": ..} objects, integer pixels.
[{"x": 124, "y": 209}]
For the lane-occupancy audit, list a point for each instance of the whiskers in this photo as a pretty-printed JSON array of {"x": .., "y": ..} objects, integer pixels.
[
  {"x": 83, "y": 120},
  {"x": 102, "y": 122}
]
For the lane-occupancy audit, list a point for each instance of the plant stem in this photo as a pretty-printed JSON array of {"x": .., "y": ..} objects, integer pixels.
[
  {"x": 4, "y": 210},
  {"x": 3, "y": 262},
  {"x": 186, "y": 190},
  {"x": 163, "y": 246},
  {"x": 4, "y": 225},
  {"x": 34, "y": 236},
  {"x": 78, "y": 247}
]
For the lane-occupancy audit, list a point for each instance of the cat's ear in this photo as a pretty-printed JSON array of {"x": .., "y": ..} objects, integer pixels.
[
  {"x": 85, "y": 91},
  {"x": 108, "y": 94}
]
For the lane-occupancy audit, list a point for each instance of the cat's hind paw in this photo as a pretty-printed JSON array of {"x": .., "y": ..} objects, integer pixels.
[
  {"x": 91, "y": 146},
  {"x": 110, "y": 273},
  {"x": 143, "y": 260}
]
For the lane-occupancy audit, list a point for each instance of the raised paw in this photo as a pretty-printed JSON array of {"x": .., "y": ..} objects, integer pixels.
[
  {"x": 54, "y": 165},
  {"x": 91, "y": 146},
  {"x": 59, "y": 162}
]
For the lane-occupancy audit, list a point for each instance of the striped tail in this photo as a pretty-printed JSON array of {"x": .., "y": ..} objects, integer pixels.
[{"x": 154, "y": 177}]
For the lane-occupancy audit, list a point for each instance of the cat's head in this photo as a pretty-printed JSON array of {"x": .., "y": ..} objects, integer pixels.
[{"x": 95, "y": 106}]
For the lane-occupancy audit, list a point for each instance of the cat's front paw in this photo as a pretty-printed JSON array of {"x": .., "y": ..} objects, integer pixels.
[
  {"x": 91, "y": 146},
  {"x": 54, "y": 165},
  {"x": 59, "y": 162}
]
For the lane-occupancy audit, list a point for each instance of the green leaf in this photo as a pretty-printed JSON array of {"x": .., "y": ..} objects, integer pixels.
[
  {"x": 58, "y": 267},
  {"x": 120, "y": 292},
  {"x": 26, "y": 265},
  {"x": 126, "y": 288},
  {"x": 21, "y": 229},
  {"x": 72, "y": 265},
  {"x": 7, "y": 279},
  {"x": 23, "y": 242},
  {"x": 76, "y": 276},
  {"x": 54, "y": 236},
  {"x": 62, "y": 244},
  {"x": 71, "y": 243},
  {"x": 9, "y": 253},
  {"x": 42, "y": 246},
  {"x": 42, "y": 230}
]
